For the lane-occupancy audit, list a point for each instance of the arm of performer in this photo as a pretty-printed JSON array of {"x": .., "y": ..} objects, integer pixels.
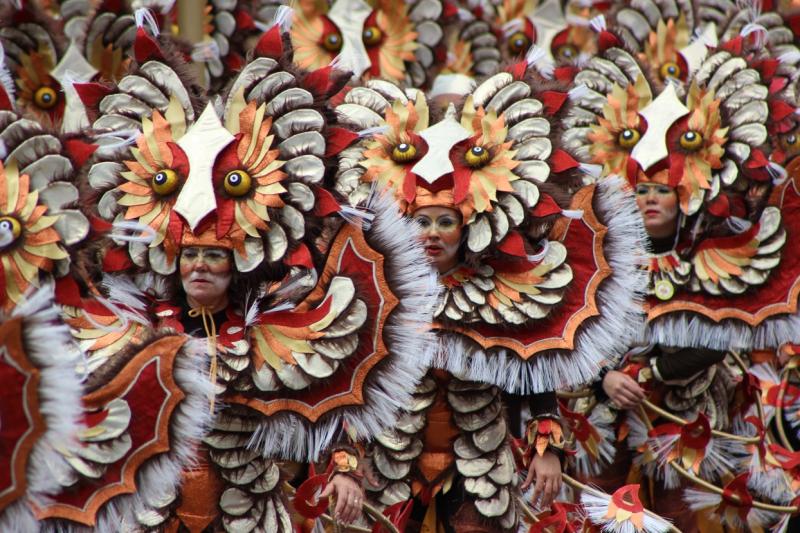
[
  {"x": 545, "y": 442},
  {"x": 345, "y": 484},
  {"x": 626, "y": 393}
]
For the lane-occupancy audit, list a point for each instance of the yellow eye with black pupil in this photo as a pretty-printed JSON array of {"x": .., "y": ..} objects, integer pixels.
[
  {"x": 628, "y": 138},
  {"x": 670, "y": 70},
  {"x": 10, "y": 230},
  {"x": 332, "y": 42},
  {"x": 45, "y": 97},
  {"x": 691, "y": 140},
  {"x": 518, "y": 42},
  {"x": 477, "y": 156},
  {"x": 792, "y": 141},
  {"x": 237, "y": 182},
  {"x": 404, "y": 152},
  {"x": 165, "y": 181},
  {"x": 566, "y": 52},
  {"x": 372, "y": 35}
]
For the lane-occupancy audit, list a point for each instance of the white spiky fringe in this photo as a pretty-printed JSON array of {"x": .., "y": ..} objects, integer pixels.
[
  {"x": 690, "y": 330},
  {"x": 768, "y": 376},
  {"x": 722, "y": 455},
  {"x": 160, "y": 477},
  {"x": 769, "y": 482},
  {"x": 50, "y": 347},
  {"x": 143, "y": 16},
  {"x": 602, "y": 420},
  {"x": 406, "y": 333},
  {"x": 643, "y": 457},
  {"x": 756, "y": 518},
  {"x": 596, "y": 504},
  {"x": 158, "y": 480},
  {"x": 598, "y": 342}
]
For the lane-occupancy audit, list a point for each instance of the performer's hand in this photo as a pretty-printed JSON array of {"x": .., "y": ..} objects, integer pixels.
[
  {"x": 545, "y": 469},
  {"x": 622, "y": 390},
  {"x": 349, "y": 497}
]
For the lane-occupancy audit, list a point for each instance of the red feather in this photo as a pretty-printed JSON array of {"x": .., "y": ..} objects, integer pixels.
[{"x": 270, "y": 44}]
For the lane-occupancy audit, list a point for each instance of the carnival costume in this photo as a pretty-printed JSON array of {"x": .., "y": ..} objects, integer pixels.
[
  {"x": 322, "y": 342},
  {"x": 664, "y": 108},
  {"x": 523, "y": 310}
]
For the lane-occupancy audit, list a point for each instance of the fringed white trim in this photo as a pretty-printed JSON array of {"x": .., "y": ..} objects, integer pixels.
[
  {"x": 769, "y": 483},
  {"x": 50, "y": 347},
  {"x": 768, "y": 377},
  {"x": 690, "y": 330},
  {"x": 638, "y": 442},
  {"x": 721, "y": 456},
  {"x": 591, "y": 170},
  {"x": 756, "y": 518},
  {"x": 407, "y": 336},
  {"x": 160, "y": 477},
  {"x": 586, "y": 464},
  {"x": 596, "y": 503},
  {"x": 599, "y": 341}
]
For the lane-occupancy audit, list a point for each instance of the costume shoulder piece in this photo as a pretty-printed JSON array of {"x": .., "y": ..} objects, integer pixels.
[
  {"x": 528, "y": 308},
  {"x": 41, "y": 407},
  {"x": 703, "y": 130},
  {"x": 337, "y": 312}
]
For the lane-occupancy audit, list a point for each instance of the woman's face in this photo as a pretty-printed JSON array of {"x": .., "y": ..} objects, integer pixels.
[
  {"x": 659, "y": 206},
  {"x": 441, "y": 235},
  {"x": 206, "y": 276}
]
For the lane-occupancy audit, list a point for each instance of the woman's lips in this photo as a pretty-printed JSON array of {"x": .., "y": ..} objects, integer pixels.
[
  {"x": 652, "y": 212},
  {"x": 433, "y": 250}
]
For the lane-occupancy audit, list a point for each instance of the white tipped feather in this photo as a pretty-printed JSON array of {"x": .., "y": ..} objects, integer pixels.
[{"x": 143, "y": 16}]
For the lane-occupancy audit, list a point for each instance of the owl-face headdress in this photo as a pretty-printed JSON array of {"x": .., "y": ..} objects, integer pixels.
[
  {"x": 561, "y": 30},
  {"x": 43, "y": 65},
  {"x": 397, "y": 41},
  {"x": 711, "y": 145},
  {"x": 39, "y": 219},
  {"x": 247, "y": 173},
  {"x": 491, "y": 158}
]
